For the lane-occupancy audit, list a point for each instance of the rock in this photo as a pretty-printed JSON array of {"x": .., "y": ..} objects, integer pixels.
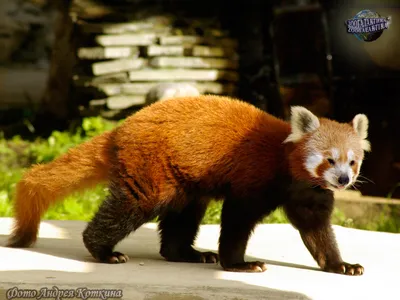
[
  {"x": 193, "y": 62},
  {"x": 182, "y": 74},
  {"x": 115, "y": 66},
  {"x": 107, "y": 52},
  {"x": 166, "y": 90},
  {"x": 126, "y": 39}
]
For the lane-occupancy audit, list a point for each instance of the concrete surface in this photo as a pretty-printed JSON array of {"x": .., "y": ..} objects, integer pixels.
[{"x": 60, "y": 259}]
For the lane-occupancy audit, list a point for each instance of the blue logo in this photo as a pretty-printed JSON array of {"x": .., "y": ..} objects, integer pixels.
[{"x": 367, "y": 25}]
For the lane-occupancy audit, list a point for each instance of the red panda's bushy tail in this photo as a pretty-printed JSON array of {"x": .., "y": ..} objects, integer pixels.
[{"x": 43, "y": 185}]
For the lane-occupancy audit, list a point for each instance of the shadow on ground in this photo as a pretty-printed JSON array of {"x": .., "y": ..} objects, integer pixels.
[{"x": 63, "y": 261}]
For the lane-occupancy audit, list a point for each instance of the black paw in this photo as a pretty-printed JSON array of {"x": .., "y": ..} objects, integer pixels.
[
  {"x": 346, "y": 269},
  {"x": 207, "y": 257},
  {"x": 250, "y": 267},
  {"x": 22, "y": 239},
  {"x": 116, "y": 258},
  {"x": 189, "y": 255}
]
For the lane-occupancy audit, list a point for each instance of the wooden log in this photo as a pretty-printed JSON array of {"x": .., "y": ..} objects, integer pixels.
[
  {"x": 115, "y": 28},
  {"x": 355, "y": 196},
  {"x": 79, "y": 80},
  {"x": 94, "y": 53},
  {"x": 126, "y": 39},
  {"x": 118, "y": 65},
  {"x": 181, "y": 40},
  {"x": 156, "y": 50},
  {"x": 125, "y": 101},
  {"x": 98, "y": 102},
  {"x": 183, "y": 75},
  {"x": 212, "y": 51},
  {"x": 141, "y": 88},
  {"x": 198, "y": 40},
  {"x": 216, "y": 88},
  {"x": 112, "y": 89},
  {"x": 193, "y": 62}
]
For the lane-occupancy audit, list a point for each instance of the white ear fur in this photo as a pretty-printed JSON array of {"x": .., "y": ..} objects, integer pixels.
[
  {"x": 302, "y": 121},
  {"x": 360, "y": 125}
]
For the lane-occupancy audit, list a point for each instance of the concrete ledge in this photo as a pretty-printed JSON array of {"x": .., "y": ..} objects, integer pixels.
[{"x": 60, "y": 259}]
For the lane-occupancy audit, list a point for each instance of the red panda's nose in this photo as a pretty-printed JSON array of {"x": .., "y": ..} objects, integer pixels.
[{"x": 343, "y": 179}]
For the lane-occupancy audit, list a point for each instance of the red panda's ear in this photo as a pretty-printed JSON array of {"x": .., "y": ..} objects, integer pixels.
[
  {"x": 360, "y": 125},
  {"x": 302, "y": 121}
]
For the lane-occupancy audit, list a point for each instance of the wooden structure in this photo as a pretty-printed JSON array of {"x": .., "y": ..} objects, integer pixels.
[{"x": 118, "y": 63}]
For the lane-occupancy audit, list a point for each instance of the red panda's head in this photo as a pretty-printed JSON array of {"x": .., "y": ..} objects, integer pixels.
[{"x": 325, "y": 152}]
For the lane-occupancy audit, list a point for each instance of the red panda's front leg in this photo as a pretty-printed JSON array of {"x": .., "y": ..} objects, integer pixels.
[
  {"x": 322, "y": 245},
  {"x": 309, "y": 211},
  {"x": 238, "y": 220}
]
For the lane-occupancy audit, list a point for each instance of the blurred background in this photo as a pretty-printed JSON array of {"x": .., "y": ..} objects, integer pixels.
[{"x": 70, "y": 69}]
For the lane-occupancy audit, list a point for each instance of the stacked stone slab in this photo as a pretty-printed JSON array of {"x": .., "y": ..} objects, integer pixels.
[{"x": 120, "y": 62}]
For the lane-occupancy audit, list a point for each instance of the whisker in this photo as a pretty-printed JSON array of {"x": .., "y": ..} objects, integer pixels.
[
  {"x": 362, "y": 176},
  {"x": 362, "y": 181}
]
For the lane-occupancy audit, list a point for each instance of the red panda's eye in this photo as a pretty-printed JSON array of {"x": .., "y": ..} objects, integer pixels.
[
  {"x": 352, "y": 163},
  {"x": 331, "y": 161}
]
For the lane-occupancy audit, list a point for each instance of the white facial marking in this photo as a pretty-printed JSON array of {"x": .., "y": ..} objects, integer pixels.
[
  {"x": 331, "y": 178},
  {"x": 350, "y": 155},
  {"x": 351, "y": 175},
  {"x": 312, "y": 162},
  {"x": 335, "y": 153}
]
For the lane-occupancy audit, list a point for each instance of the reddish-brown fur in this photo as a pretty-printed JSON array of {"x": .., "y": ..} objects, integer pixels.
[
  {"x": 168, "y": 159},
  {"x": 216, "y": 141},
  {"x": 88, "y": 164},
  {"x": 80, "y": 168}
]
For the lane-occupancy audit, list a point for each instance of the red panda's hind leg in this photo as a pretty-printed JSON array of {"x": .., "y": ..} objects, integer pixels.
[
  {"x": 116, "y": 218},
  {"x": 24, "y": 237},
  {"x": 178, "y": 230}
]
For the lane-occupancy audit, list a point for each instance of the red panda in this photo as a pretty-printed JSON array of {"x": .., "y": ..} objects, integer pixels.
[{"x": 172, "y": 157}]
